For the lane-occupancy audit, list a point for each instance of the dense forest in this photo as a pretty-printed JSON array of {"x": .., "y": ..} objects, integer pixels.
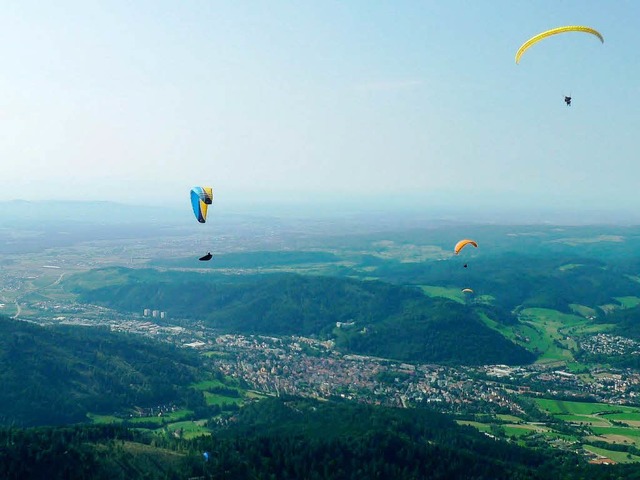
[
  {"x": 291, "y": 438},
  {"x": 388, "y": 320},
  {"x": 515, "y": 280},
  {"x": 55, "y": 375}
]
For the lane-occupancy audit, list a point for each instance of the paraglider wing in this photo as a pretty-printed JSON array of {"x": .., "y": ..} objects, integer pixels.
[
  {"x": 554, "y": 31},
  {"x": 467, "y": 290},
  {"x": 201, "y": 197},
  {"x": 206, "y": 258},
  {"x": 463, "y": 243}
]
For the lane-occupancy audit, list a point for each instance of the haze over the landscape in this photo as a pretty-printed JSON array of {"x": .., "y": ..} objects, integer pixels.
[{"x": 371, "y": 104}]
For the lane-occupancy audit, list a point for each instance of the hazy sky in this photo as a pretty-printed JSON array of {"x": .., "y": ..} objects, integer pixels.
[{"x": 389, "y": 101}]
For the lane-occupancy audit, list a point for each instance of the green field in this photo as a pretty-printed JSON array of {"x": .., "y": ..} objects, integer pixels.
[
  {"x": 220, "y": 400},
  {"x": 628, "y": 302},
  {"x": 255, "y": 395},
  {"x": 208, "y": 385},
  {"x": 547, "y": 332},
  {"x": 509, "y": 418},
  {"x": 483, "y": 427},
  {"x": 619, "y": 457},
  {"x": 454, "y": 294},
  {"x": 524, "y": 335},
  {"x": 521, "y": 430},
  {"x": 514, "y": 430},
  {"x": 553, "y": 327},
  {"x": 170, "y": 423},
  {"x": 582, "y": 310},
  {"x": 189, "y": 429},
  {"x": 562, "y": 407},
  {"x": 100, "y": 419},
  {"x": 598, "y": 417},
  {"x": 585, "y": 419},
  {"x": 485, "y": 299},
  {"x": 622, "y": 431},
  {"x": 98, "y": 278},
  {"x": 212, "y": 397},
  {"x": 623, "y": 417},
  {"x": 157, "y": 420},
  {"x": 536, "y": 332}
]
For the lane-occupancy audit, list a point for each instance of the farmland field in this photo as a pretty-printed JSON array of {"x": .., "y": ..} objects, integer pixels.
[
  {"x": 624, "y": 431},
  {"x": 189, "y": 429},
  {"x": 556, "y": 407},
  {"x": 628, "y": 302},
  {"x": 454, "y": 294},
  {"x": 585, "y": 419},
  {"x": 619, "y": 457}
]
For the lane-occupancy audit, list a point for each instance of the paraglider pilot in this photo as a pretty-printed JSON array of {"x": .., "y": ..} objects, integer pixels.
[{"x": 567, "y": 100}]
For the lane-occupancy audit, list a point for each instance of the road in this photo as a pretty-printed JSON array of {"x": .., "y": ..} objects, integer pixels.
[{"x": 16, "y": 301}]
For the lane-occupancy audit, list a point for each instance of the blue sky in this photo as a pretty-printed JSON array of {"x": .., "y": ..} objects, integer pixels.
[{"x": 399, "y": 103}]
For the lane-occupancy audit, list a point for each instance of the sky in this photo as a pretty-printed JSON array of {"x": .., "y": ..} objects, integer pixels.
[{"x": 415, "y": 104}]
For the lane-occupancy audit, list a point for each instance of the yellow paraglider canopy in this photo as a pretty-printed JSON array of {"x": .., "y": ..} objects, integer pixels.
[
  {"x": 555, "y": 31},
  {"x": 463, "y": 243}
]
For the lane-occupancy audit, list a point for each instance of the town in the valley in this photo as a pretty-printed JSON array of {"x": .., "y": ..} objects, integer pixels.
[{"x": 510, "y": 399}]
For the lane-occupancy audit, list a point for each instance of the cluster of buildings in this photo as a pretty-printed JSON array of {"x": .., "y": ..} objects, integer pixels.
[
  {"x": 286, "y": 366},
  {"x": 606, "y": 344},
  {"x": 157, "y": 411},
  {"x": 147, "y": 312},
  {"x": 311, "y": 368}
]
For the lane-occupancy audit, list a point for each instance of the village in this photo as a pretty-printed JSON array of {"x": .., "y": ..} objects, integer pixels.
[
  {"x": 306, "y": 367},
  {"x": 315, "y": 368}
]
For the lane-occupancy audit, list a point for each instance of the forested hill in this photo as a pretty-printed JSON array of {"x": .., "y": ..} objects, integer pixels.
[
  {"x": 383, "y": 319},
  {"x": 55, "y": 375},
  {"x": 312, "y": 439},
  {"x": 292, "y": 438},
  {"x": 517, "y": 279}
]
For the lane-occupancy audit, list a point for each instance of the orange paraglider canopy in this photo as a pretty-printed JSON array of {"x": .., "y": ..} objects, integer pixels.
[{"x": 463, "y": 243}]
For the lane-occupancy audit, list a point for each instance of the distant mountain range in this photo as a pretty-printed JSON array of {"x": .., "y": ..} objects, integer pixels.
[{"x": 22, "y": 212}]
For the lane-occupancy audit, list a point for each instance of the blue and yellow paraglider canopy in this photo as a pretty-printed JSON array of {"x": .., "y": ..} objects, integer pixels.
[{"x": 201, "y": 197}]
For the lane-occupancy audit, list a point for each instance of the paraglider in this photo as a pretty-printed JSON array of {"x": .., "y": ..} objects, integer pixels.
[
  {"x": 555, "y": 31},
  {"x": 201, "y": 198},
  {"x": 467, "y": 290},
  {"x": 463, "y": 243}
]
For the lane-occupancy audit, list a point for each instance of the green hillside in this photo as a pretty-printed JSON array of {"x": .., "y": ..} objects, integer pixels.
[
  {"x": 384, "y": 319},
  {"x": 55, "y": 375},
  {"x": 290, "y": 438},
  {"x": 520, "y": 279}
]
